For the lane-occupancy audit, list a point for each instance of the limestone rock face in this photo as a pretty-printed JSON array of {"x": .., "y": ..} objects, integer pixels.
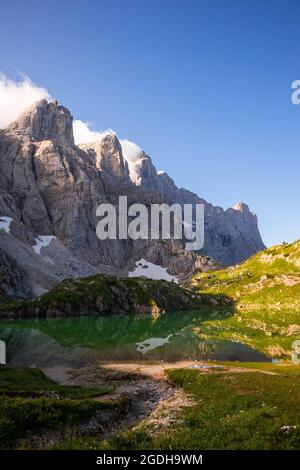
[
  {"x": 233, "y": 235},
  {"x": 13, "y": 280},
  {"x": 230, "y": 236},
  {"x": 108, "y": 157},
  {"x": 51, "y": 187},
  {"x": 45, "y": 120},
  {"x": 145, "y": 173},
  {"x": 179, "y": 262}
]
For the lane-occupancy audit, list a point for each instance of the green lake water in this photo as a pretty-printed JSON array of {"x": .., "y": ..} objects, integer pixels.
[{"x": 171, "y": 337}]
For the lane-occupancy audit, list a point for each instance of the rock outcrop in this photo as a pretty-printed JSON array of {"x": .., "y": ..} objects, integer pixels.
[
  {"x": 102, "y": 295},
  {"x": 45, "y": 120},
  {"x": 13, "y": 279},
  {"x": 108, "y": 157}
]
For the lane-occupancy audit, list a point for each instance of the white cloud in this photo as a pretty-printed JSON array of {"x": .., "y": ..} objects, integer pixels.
[
  {"x": 84, "y": 135},
  {"x": 131, "y": 153},
  {"x": 16, "y": 96}
]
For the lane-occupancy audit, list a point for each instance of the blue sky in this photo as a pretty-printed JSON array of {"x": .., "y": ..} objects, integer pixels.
[{"x": 203, "y": 87}]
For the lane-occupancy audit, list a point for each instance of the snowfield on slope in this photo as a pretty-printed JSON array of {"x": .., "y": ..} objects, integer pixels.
[
  {"x": 151, "y": 271},
  {"x": 42, "y": 242},
  {"x": 5, "y": 223}
]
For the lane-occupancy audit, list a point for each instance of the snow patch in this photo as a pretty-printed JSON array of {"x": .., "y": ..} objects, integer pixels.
[
  {"x": 42, "y": 242},
  {"x": 151, "y": 271},
  {"x": 5, "y": 224},
  {"x": 161, "y": 172}
]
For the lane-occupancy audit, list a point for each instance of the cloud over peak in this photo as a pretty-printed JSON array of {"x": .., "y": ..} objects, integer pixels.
[
  {"x": 131, "y": 151},
  {"x": 84, "y": 135},
  {"x": 16, "y": 96}
]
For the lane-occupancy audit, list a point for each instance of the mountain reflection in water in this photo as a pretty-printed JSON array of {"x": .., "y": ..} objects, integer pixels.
[{"x": 170, "y": 337}]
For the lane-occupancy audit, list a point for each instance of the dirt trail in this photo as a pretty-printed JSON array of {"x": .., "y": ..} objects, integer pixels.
[
  {"x": 151, "y": 399},
  {"x": 156, "y": 402},
  {"x": 167, "y": 410},
  {"x": 155, "y": 370}
]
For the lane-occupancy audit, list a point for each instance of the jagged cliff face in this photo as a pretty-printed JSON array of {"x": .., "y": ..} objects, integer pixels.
[
  {"x": 230, "y": 236},
  {"x": 13, "y": 280},
  {"x": 43, "y": 121},
  {"x": 108, "y": 159},
  {"x": 50, "y": 186}
]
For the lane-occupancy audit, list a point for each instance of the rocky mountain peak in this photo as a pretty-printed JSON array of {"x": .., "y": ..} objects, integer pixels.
[
  {"x": 108, "y": 156},
  {"x": 145, "y": 172},
  {"x": 244, "y": 210},
  {"x": 241, "y": 207},
  {"x": 45, "y": 120},
  {"x": 51, "y": 187},
  {"x": 110, "y": 144}
]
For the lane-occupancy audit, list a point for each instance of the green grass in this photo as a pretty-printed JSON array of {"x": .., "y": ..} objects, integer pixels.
[
  {"x": 30, "y": 402},
  {"x": 265, "y": 290},
  {"x": 232, "y": 410},
  {"x": 269, "y": 279},
  {"x": 103, "y": 294},
  {"x": 19, "y": 416},
  {"x": 282, "y": 369},
  {"x": 19, "y": 380}
]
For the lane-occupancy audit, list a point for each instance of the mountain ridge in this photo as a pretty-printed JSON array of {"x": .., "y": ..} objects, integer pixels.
[{"x": 51, "y": 186}]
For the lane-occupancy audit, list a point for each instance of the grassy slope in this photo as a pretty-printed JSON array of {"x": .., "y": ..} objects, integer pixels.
[
  {"x": 232, "y": 410},
  {"x": 269, "y": 279},
  {"x": 29, "y": 403},
  {"x": 266, "y": 292},
  {"x": 102, "y": 294},
  {"x": 20, "y": 380}
]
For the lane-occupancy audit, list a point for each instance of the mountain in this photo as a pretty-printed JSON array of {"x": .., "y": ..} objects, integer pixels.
[
  {"x": 50, "y": 189},
  {"x": 265, "y": 290},
  {"x": 231, "y": 235}
]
